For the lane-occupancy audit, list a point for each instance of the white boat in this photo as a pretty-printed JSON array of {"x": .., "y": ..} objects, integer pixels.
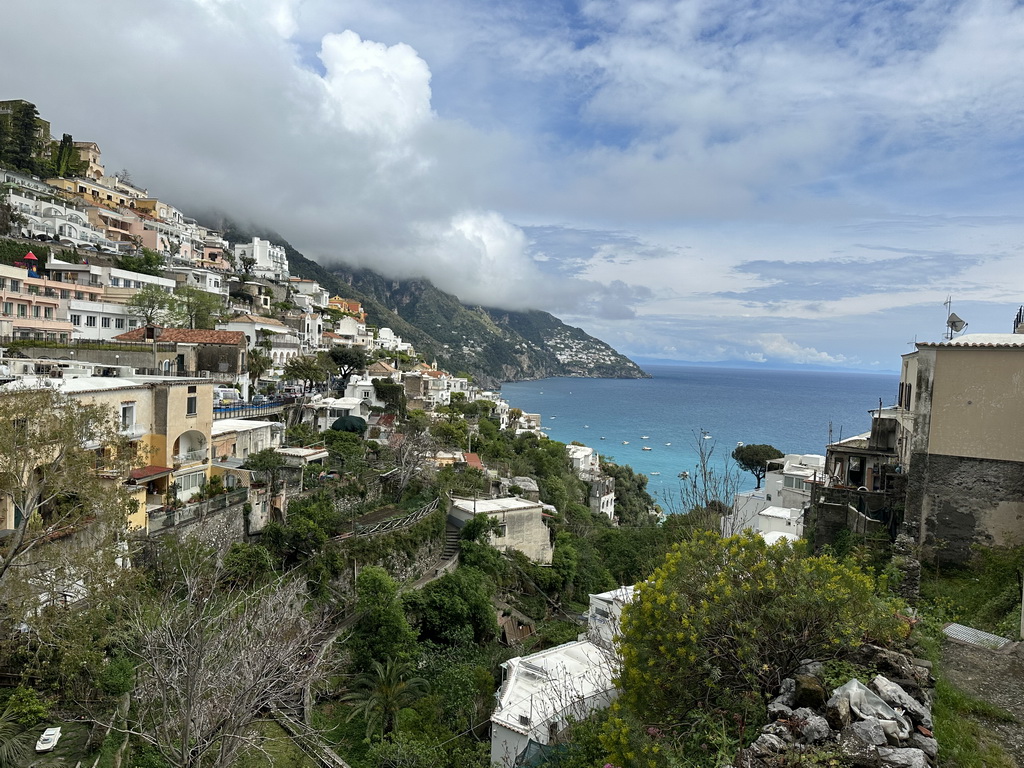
[
  {"x": 586, "y": 426},
  {"x": 655, "y": 473},
  {"x": 602, "y": 437},
  {"x": 646, "y": 448},
  {"x": 625, "y": 442},
  {"x": 645, "y": 437},
  {"x": 668, "y": 443}
]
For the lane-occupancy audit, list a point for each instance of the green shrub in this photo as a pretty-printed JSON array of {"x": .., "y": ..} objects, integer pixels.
[
  {"x": 27, "y": 706},
  {"x": 727, "y": 615}
]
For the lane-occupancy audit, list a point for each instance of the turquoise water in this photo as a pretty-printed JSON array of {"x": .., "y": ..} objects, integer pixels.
[{"x": 792, "y": 410}]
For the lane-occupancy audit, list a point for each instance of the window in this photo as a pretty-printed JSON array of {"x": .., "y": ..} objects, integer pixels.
[
  {"x": 502, "y": 531},
  {"x": 65, "y": 293},
  {"x": 190, "y": 482},
  {"x": 3, "y": 283},
  {"x": 132, "y": 322},
  {"x": 119, "y": 322},
  {"x": 36, "y": 311},
  {"x": 76, "y": 319},
  {"x": 90, "y": 321},
  {"x": 8, "y": 308},
  {"x": 127, "y": 415},
  {"x": 105, "y": 322},
  {"x": 79, "y": 295},
  {"x": 15, "y": 286},
  {"x": 115, "y": 282},
  {"x": 192, "y": 404},
  {"x": 22, "y": 310}
]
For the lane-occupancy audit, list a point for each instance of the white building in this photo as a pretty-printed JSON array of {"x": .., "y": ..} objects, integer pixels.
[
  {"x": 44, "y": 213},
  {"x": 521, "y": 524},
  {"x": 543, "y": 693},
  {"x": 270, "y": 261},
  {"x": 308, "y": 294},
  {"x": 389, "y": 340},
  {"x": 787, "y": 486},
  {"x": 323, "y": 412},
  {"x": 100, "y": 319}
]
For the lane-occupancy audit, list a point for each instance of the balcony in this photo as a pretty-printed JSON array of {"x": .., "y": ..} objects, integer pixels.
[
  {"x": 132, "y": 431},
  {"x": 191, "y": 457}
]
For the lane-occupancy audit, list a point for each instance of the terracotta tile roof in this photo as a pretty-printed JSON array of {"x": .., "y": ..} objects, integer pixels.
[
  {"x": 381, "y": 367},
  {"x": 473, "y": 460},
  {"x": 250, "y": 318},
  {"x": 188, "y": 336},
  {"x": 153, "y": 470}
]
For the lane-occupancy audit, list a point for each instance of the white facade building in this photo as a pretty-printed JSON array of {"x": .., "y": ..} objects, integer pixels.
[
  {"x": 787, "y": 486},
  {"x": 521, "y": 524},
  {"x": 271, "y": 261},
  {"x": 543, "y": 693},
  {"x": 100, "y": 319}
]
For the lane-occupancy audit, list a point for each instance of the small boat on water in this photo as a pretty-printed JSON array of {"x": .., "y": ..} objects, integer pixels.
[
  {"x": 602, "y": 437},
  {"x": 655, "y": 473},
  {"x": 646, "y": 448},
  {"x": 668, "y": 443},
  {"x": 586, "y": 426},
  {"x": 625, "y": 442},
  {"x": 645, "y": 437}
]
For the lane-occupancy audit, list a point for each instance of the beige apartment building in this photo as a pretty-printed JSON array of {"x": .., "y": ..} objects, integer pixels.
[{"x": 963, "y": 417}]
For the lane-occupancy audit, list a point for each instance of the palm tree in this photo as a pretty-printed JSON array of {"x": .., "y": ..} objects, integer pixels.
[
  {"x": 259, "y": 364},
  {"x": 14, "y": 740},
  {"x": 379, "y": 695}
]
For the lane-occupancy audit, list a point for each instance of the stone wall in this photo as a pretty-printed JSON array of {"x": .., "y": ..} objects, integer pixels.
[{"x": 955, "y": 502}]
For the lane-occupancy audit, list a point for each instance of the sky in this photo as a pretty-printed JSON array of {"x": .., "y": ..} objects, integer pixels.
[{"x": 718, "y": 181}]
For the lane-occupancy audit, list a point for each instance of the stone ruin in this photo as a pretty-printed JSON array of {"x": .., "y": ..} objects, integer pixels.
[{"x": 887, "y": 724}]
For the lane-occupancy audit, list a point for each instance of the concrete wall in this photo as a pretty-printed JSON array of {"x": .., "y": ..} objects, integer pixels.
[
  {"x": 976, "y": 404},
  {"x": 954, "y": 502}
]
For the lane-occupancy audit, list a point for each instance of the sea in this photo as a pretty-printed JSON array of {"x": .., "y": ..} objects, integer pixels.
[{"x": 680, "y": 406}]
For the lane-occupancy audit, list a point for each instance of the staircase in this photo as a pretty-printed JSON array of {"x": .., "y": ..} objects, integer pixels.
[{"x": 451, "y": 542}]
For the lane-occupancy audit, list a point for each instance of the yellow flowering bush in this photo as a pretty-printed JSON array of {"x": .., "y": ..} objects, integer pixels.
[{"x": 725, "y": 617}]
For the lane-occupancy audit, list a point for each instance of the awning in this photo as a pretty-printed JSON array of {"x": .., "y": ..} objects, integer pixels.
[{"x": 145, "y": 474}]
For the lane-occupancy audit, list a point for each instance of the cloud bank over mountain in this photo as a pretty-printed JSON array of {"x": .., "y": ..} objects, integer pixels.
[{"x": 709, "y": 180}]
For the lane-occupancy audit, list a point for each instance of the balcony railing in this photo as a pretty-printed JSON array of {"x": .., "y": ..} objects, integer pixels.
[
  {"x": 133, "y": 431},
  {"x": 191, "y": 457}
]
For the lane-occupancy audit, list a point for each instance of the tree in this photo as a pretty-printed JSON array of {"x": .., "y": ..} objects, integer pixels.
[
  {"x": 209, "y": 663},
  {"x": 195, "y": 308},
  {"x": 348, "y": 360},
  {"x": 380, "y": 694},
  {"x": 151, "y": 304},
  {"x": 15, "y": 740},
  {"x": 706, "y": 493},
  {"x": 64, "y": 158},
  {"x": 269, "y": 463},
  {"x": 259, "y": 364},
  {"x": 24, "y": 144},
  {"x": 723, "y": 616},
  {"x": 143, "y": 260},
  {"x": 309, "y": 369},
  {"x": 754, "y": 459},
  {"x": 381, "y": 632},
  {"x": 61, "y": 466},
  {"x": 247, "y": 263}
]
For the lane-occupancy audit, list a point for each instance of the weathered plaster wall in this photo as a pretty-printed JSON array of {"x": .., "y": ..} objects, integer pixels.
[{"x": 954, "y": 502}]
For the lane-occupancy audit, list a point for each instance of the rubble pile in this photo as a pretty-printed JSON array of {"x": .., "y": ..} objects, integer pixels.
[{"x": 886, "y": 724}]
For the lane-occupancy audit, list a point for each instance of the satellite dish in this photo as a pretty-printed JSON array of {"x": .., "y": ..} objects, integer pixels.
[{"x": 954, "y": 323}]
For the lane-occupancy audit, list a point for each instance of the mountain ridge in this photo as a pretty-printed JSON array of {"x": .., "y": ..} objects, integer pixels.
[{"x": 492, "y": 345}]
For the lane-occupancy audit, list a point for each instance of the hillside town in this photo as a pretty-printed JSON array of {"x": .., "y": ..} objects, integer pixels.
[{"x": 234, "y": 515}]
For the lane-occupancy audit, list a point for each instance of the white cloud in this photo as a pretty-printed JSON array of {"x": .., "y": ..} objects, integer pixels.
[
  {"x": 375, "y": 89},
  {"x": 670, "y": 144}
]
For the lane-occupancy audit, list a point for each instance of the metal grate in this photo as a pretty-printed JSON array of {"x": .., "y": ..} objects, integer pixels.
[{"x": 974, "y": 636}]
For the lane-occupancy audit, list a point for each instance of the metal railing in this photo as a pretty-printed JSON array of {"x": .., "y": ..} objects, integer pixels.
[
  {"x": 167, "y": 517},
  {"x": 189, "y": 457}
]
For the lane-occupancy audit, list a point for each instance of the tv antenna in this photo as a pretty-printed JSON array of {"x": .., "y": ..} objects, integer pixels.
[{"x": 954, "y": 324}]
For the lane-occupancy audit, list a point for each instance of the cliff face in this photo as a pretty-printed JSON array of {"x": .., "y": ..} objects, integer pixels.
[{"x": 491, "y": 345}]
